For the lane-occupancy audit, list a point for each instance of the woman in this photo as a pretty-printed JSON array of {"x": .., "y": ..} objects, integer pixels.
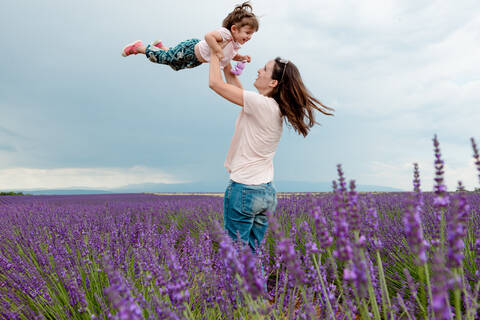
[{"x": 281, "y": 96}]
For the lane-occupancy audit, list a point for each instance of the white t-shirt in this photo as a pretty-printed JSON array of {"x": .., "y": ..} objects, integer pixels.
[
  {"x": 230, "y": 50},
  {"x": 257, "y": 132}
]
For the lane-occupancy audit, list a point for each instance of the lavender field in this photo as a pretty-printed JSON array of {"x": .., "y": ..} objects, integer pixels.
[{"x": 337, "y": 255}]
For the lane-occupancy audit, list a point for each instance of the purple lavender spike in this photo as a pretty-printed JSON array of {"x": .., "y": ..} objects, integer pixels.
[
  {"x": 120, "y": 296},
  {"x": 343, "y": 250},
  {"x": 353, "y": 207},
  {"x": 441, "y": 200},
  {"x": 476, "y": 156},
  {"x": 413, "y": 223},
  {"x": 416, "y": 178},
  {"x": 457, "y": 231},
  {"x": 440, "y": 305},
  {"x": 356, "y": 274},
  {"x": 341, "y": 179},
  {"x": 321, "y": 229}
]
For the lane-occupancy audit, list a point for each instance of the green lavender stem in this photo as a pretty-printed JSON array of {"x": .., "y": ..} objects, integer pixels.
[
  {"x": 385, "y": 295},
  {"x": 324, "y": 289}
]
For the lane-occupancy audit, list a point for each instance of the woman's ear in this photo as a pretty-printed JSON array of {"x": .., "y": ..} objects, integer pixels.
[{"x": 273, "y": 83}]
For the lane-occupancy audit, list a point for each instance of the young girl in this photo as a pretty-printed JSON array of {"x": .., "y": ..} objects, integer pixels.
[{"x": 237, "y": 28}]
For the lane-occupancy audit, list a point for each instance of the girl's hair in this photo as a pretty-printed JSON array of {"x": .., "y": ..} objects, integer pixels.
[
  {"x": 296, "y": 103},
  {"x": 241, "y": 16}
]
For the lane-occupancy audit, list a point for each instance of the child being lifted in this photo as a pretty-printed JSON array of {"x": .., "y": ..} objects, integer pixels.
[{"x": 237, "y": 28}]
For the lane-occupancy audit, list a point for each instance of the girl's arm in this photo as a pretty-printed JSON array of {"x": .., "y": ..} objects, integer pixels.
[
  {"x": 231, "y": 78},
  {"x": 239, "y": 57},
  {"x": 229, "y": 91},
  {"x": 214, "y": 39}
]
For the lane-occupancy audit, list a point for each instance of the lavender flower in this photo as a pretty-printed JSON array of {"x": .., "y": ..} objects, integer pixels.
[
  {"x": 343, "y": 250},
  {"x": 119, "y": 295},
  {"x": 416, "y": 178},
  {"x": 321, "y": 230},
  {"x": 231, "y": 266},
  {"x": 177, "y": 288},
  {"x": 356, "y": 273},
  {"x": 441, "y": 200},
  {"x": 441, "y": 197},
  {"x": 354, "y": 215},
  {"x": 341, "y": 180},
  {"x": 457, "y": 231},
  {"x": 239, "y": 259},
  {"x": 76, "y": 294},
  {"x": 253, "y": 282},
  {"x": 440, "y": 306},
  {"x": 413, "y": 223},
  {"x": 286, "y": 250},
  {"x": 371, "y": 221},
  {"x": 476, "y": 156}
]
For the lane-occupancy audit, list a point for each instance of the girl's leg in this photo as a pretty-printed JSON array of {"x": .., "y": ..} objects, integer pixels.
[
  {"x": 159, "y": 44},
  {"x": 179, "y": 57},
  {"x": 141, "y": 49},
  {"x": 158, "y": 55}
]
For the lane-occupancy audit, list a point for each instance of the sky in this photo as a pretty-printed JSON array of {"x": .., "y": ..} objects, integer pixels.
[{"x": 75, "y": 113}]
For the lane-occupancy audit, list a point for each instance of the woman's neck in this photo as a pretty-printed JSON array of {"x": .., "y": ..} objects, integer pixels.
[{"x": 265, "y": 92}]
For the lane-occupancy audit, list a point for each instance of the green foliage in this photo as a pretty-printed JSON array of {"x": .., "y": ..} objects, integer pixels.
[{"x": 12, "y": 193}]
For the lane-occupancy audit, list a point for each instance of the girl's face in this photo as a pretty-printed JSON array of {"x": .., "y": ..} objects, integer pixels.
[{"x": 243, "y": 34}]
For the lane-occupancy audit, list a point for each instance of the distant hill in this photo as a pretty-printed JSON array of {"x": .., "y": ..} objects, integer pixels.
[
  {"x": 66, "y": 191},
  {"x": 281, "y": 186},
  {"x": 301, "y": 186},
  {"x": 207, "y": 186}
]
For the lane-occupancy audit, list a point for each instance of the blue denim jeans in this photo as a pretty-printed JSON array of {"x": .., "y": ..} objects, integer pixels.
[{"x": 245, "y": 208}]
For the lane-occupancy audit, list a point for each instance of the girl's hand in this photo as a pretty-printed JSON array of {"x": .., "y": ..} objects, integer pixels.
[
  {"x": 222, "y": 44},
  {"x": 239, "y": 57}
]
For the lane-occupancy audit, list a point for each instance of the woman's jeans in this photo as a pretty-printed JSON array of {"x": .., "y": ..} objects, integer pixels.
[{"x": 245, "y": 208}]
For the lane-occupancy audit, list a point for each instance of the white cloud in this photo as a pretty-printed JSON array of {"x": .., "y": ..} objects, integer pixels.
[
  {"x": 385, "y": 56},
  {"x": 404, "y": 69},
  {"x": 106, "y": 178},
  {"x": 400, "y": 174}
]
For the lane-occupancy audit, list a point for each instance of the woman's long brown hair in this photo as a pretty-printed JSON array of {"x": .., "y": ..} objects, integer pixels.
[{"x": 296, "y": 103}]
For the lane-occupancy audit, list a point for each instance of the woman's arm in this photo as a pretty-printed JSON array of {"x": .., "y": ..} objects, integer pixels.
[{"x": 229, "y": 91}]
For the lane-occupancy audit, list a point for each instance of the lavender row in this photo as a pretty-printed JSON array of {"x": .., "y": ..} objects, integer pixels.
[{"x": 338, "y": 255}]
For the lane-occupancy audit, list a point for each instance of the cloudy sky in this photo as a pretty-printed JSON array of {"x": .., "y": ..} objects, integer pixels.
[{"x": 74, "y": 113}]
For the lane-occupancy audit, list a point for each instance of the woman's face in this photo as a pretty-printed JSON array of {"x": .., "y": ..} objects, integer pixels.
[{"x": 264, "y": 82}]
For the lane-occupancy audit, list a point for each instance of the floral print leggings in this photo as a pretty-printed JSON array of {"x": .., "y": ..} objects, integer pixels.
[{"x": 180, "y": 57}]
